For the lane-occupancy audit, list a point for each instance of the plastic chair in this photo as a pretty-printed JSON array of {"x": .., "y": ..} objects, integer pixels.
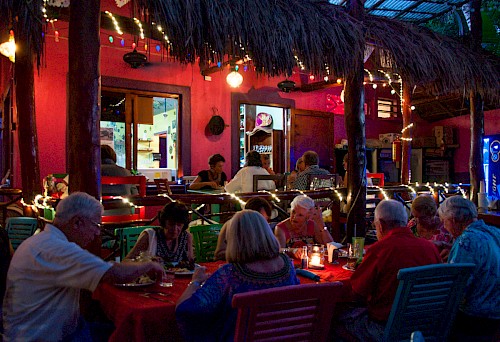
[
  {"x": 427, "y": 300},
  {"x": 379, "y": 176},
  {"x": 19, "y": 229},
  {"x": 278, "y": 178},
  {"x": 205, "y": 241},
  {"x": 127, "y": 237},
  {"x": 325, "y": 181},
  {"x": 288, "y": 313},
  {"x": 163, "y": 186}
]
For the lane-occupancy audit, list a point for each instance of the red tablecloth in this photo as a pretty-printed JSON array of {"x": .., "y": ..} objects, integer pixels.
[{"x": 138, "y": 318}]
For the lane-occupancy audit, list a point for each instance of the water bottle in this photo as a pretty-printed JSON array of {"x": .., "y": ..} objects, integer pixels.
[{"x": 304, "y": 259}]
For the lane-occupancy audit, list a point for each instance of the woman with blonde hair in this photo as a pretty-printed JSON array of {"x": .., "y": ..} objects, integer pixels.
[{"x": 254, "y": 263}]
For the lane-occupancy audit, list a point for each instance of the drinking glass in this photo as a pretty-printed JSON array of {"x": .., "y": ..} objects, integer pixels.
[
  {"x": 352, "y": 256},
  {"x": 167, "y": 280},
  {"x": 358, "y": 244}
]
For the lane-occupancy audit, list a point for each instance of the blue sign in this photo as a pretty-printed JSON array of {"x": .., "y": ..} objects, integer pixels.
[{"x": 493, "y": 150}]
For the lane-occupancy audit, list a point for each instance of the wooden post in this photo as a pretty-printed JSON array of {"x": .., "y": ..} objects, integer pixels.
[
  {"x": 26, "y": 121},
  {"x": 476, "y": 169},
  {"x": 406, "y": 144},
  {"x": 354, "y": 118},
  {"x": 83, "y": 139}
]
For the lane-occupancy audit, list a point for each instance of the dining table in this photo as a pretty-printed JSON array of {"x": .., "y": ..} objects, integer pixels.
[{"x": 147, "y": 313}]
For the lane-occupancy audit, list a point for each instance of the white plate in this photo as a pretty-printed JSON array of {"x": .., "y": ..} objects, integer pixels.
[
  {"x": 135, "y": 284},
  {"x": 347, "y": 268}
]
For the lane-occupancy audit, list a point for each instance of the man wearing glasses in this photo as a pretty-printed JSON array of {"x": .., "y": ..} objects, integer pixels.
[{"x": 49, "y": 269}]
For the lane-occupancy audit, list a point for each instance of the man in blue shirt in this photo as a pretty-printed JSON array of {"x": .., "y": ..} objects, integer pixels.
[
  {"x": 311, "y": 161},
  {"x": 477, "y": 243}
]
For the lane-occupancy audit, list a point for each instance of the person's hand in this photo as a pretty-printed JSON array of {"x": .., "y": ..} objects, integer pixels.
[
  {"x": 200, "y": 274},
  {"x": 213, "y": 185},
  {"x": 154, "y": 270},
  {"x": 444, "y": 254},
  {"x": 317, "y": 216}
]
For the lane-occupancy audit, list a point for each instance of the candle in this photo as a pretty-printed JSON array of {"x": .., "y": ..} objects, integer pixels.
[{"x": 315, "y": 260}]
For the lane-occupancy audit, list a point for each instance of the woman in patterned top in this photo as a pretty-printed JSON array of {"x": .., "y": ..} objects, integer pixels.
[
  {"x": 254, "y": 263},
  {"x": 427, "y": 225},
  {"x": 305, "y": 226},
  {"x": 170, "y": 242}
]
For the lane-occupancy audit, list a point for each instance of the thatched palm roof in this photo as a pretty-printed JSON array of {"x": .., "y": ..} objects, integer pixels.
[
  {"x": 319, "y": 34},
  {"x": 425, "y": 58}
]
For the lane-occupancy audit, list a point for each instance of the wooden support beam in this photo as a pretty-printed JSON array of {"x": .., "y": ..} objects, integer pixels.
[
  {"x": 26, "y": 121},
  {"x": 84, "y": 81}
]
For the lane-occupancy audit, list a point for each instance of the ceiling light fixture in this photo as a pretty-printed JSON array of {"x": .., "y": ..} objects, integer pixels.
[
  {"x": 234, "y": 78},
  {"x": 8, "y": 49}
]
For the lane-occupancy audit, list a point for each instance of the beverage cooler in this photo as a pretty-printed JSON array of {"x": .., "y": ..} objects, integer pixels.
[{"x": 491, "y": 159}]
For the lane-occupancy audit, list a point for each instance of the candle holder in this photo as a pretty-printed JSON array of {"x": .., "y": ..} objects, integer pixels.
[{"x": 317, "y": 257}]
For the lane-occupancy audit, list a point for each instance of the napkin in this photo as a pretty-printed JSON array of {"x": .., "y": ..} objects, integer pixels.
[{"x": 307, "y": 274}]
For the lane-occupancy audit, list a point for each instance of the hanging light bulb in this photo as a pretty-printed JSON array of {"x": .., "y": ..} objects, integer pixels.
[
  {"x": 234, "y": 79},
  {"x": 8, "y": 49}
]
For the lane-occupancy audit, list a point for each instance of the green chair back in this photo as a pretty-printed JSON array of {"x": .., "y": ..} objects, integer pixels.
[
  {"x": 127, "y": 237},
  {"x": 205, "y": 241},
  {"x": 19, "y": 229}
]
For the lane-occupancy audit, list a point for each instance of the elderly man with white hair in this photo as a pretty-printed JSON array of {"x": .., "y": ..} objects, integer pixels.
[
  {"x": 478, "y": 317},
  {"x": 49, "y": 269},
  {"x": 375, "y": 280}
]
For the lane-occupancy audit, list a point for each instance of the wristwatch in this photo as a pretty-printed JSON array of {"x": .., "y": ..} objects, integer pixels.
[{"x": 195, "y": 282}]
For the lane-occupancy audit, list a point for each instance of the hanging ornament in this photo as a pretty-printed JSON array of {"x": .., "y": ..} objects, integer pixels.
[
  {"x": 133, "y": 45},
  {"x": 111, "y": 39},
  {"x": 122, "y": 42},
  {"x": 158, "y": 48},
  {"x": 121, "y": 3},
  {"x": 146, "y": 47},
  {"x": 56, "y": 36}
]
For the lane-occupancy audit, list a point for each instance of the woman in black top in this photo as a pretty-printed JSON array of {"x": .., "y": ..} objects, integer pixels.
[{"x": 213, "y": 178}]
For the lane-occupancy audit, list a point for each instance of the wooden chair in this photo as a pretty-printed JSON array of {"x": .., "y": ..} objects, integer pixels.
[
  {"x": 127, "y": 237},
  {"x": 288, "y": 313},
  {"x": 326, "y": 181},
  {"x": 379, "y": 178},
  {"x": 427, "y": 300},
  {"x": 163, "y": 186},
  {"x": 279, "y": 179},
  {"x": 137, "y": 180},
  {"x": 19, "y": 229},
  {"x": 205, "y": 241}
]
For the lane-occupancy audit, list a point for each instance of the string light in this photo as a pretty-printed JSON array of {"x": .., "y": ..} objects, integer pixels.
[
  {"x": 115, "y": 22},
  {"x": 141, "y": 30},
  {"x": 273, "y": 196}
]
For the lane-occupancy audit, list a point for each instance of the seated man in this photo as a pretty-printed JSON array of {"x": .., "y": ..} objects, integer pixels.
[
  {"x": 49, "y": 269},
  {"x": 478, "y": 318},
  {"x": 375, "y": 280},
  {"x": 311, "y": 161}
]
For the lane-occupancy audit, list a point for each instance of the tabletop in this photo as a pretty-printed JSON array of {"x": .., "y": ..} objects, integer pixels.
[{"x": 148, "y": 313}]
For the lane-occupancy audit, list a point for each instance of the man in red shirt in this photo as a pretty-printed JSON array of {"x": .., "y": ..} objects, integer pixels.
[{"x": 375, "y": 280}]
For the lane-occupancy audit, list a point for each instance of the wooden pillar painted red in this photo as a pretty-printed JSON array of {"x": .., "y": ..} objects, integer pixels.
[
  {"x": 83, "y": 137},
  {"x": 406, "y": 144},
  {"x": 354, "y": 95}
]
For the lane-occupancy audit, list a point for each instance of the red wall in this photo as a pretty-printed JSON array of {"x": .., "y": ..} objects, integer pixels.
[{"x": 51, "y": 98}]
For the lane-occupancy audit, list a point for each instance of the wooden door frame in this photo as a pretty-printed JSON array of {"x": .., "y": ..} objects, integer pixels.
[
  {"x": 331, "y": 137},
  {"x": 160, "y": 90},
  {"x": 255, "y": 97}
]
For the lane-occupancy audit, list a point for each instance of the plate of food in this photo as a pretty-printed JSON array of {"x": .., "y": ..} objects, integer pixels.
[
  {"x": 143, "y": 280},
  {"x": 180, "y": 268}
]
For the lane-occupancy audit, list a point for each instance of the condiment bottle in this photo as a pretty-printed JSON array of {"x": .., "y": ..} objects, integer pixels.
[{"x": 304, "y": 259}]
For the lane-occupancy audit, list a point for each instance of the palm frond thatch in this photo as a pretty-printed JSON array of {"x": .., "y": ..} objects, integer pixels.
[
  {"x": 273, "y": 32},
  {"x": 440, "y": 64}
]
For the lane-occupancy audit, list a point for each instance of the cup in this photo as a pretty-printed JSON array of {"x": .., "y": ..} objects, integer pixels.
[
  {"x": 167, "y": 280},
  {"x": 352, "y": 256},
  {"x": 358, "y": 244}
]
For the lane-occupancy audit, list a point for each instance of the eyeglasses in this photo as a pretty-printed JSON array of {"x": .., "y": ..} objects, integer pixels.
[{"x": 96, "y": 224}]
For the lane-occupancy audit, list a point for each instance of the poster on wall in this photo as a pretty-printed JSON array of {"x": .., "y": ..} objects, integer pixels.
[{"x": 107, "y": 136}]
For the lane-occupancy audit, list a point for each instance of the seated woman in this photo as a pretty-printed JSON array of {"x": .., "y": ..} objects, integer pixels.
[
  {"x": 305, "y": 226},
  {"x": 243, "y": 180},
  {"x": 258, "y": 204},
  {"x": 170, "y": 242},
  {"x": 427, "y": 225},
  {"x": 478, "y": 317},
  {"x": 213, "y": 178},
  {"x": 299, "y": 167},
  {"x": 266, "y": 163},
  {"x": 254, "y": 263}
]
